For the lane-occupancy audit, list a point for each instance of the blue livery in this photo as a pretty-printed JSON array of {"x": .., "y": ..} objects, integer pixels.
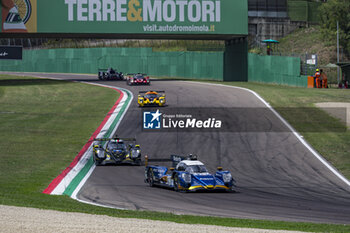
[{"x": 188, "y": 175}]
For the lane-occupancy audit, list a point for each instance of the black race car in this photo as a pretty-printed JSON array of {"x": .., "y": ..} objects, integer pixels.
[
  {"x": 116, "y": 151},
  {"x": 137, "y": 79},
  {"x": 110, "y": 74}
]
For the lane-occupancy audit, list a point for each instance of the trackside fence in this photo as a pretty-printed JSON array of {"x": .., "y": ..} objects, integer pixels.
[
  {"x": 188, "y": 65},
  {"x": 276, "y": 70}
]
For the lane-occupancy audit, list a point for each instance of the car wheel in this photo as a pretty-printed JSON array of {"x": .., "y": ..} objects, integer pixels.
[
  {"x": 138, "y": 162},
  {"x": 176, "y": 183},
  {"x": 97, "y": 162},
  {"x": 150, "y": 178}
]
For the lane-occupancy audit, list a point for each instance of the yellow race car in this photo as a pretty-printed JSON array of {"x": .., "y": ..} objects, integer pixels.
[{"x": 151, "y": 98}]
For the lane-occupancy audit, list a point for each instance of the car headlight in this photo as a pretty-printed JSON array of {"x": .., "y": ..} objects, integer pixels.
[
  {"x": 138, "y": 151},
  {"x": 227, "y": 177},
  {"x": 100, "y": 154},
  {"x": 141, "y": 100},
  {"x": 186, "y": 177}
]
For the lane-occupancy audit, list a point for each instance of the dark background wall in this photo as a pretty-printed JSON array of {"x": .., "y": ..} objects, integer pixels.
[
  {"x": 274, "y": 19},
  {"x": 267, "y": 8}
]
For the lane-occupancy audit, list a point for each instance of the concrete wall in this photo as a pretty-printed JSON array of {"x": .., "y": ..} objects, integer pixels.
[{"x": 271, "y": 28}]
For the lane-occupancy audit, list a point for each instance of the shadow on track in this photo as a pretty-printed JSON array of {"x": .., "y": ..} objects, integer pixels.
[{"x": 31, "y": 82}]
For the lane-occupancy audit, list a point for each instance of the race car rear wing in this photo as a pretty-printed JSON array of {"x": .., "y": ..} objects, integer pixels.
[
  {"x": 175, "y": 159},
  {"x": 102, "y": 69},
  {"x": 136, "y": 73},
  {"x": 143, "y": 92},
  {"x": 116, "y": 138},
  {"x": 105, "y": 70}
]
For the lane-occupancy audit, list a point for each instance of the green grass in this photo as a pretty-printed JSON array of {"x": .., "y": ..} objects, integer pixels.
[
  {"x": 310, "y": 41},
  {"x": 44, "y": 124}
]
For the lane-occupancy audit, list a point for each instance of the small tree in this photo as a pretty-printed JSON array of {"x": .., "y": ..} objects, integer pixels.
[{"x": 331, "y": 12}]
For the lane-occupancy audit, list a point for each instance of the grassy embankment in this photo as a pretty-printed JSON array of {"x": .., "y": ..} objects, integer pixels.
[
  {"x": 44, "y": 124},
  {"x": 310, "y": 41}
]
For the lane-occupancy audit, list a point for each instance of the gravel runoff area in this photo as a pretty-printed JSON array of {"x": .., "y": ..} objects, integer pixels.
[
  {"x": 337, "y": 110},
  {"x": 21, "y": 219}
]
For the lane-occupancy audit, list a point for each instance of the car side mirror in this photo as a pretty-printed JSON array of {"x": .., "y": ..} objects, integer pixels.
[{"x": 172, "y": 169}]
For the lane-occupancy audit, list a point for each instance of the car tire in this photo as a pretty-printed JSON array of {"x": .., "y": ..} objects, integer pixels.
[
  {"x": 138, "y": 162},
  {"x": 97, "y": 162},
  {"x": 176, "y": 183},
  {"x": 150, "y": 177}
]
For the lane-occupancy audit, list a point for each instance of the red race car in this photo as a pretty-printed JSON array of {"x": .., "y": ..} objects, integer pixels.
[{"x": 138, "y": 79}]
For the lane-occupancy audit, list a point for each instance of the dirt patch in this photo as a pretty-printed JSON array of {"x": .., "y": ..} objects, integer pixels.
[
  {"x": 338, "y": 110},
  {"x": 20, "y": 219}
]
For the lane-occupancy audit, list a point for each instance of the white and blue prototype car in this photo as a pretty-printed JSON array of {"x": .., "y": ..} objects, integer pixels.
[{"x": 188, "y": 174}]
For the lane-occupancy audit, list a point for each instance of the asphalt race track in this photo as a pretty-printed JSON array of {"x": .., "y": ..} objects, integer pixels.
[{"x": 278, "y": 178}]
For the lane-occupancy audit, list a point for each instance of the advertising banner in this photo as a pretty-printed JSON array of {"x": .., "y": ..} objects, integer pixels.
[
  {"x": 11, "y": 53},
  {"x": 227, "y": 17},
  {"x": 18, "y": 16}
]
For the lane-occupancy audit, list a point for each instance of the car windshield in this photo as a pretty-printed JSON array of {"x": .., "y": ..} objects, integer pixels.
[
  {"x": 116, "y": 146},
  {"x": 151, "y": 96},
  {"x": 196, "y": 169},
  {"x": 139, "y": 76}
]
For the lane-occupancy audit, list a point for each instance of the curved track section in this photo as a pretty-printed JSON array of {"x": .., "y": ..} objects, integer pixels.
[{"x": 278, "y": 177}]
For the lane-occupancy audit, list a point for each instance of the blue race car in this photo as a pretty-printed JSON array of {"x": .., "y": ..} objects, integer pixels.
[{"x": 187, "y": 174}]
